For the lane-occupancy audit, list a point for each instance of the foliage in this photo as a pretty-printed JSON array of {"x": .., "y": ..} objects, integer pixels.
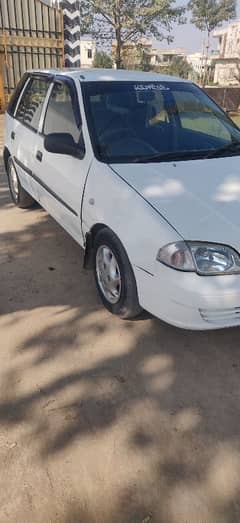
[
  {"x": 178, "y": 67},
  {"x": 102, "y": 60},
  {"x": 207, "y": 15},
  {"x": 145, "y": 64},
  {"x": 136, "y": 57},
  {"x": 129, "y": 20}
]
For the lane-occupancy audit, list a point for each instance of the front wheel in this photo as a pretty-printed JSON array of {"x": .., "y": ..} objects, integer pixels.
[
  {"x": 114, "y": 276},
  {"x": 18, "y": 194}
]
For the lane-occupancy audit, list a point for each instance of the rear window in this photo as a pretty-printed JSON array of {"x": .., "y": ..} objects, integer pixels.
[{"x": 30, "y": 107}]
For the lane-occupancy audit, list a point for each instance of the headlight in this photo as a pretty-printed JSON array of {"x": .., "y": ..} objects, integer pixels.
[{"x": 203, "y": 258}]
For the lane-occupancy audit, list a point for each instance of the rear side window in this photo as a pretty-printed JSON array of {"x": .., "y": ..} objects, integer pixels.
[
  {"x": 30, "y": 107},
  {"x": 15, "y": 97}
]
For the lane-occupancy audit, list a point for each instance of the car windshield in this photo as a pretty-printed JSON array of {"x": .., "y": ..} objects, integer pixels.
[{"x": 136, "y": 122}]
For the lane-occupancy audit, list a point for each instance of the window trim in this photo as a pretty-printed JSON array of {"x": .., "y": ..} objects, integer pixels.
[
  {"x": 33, "y": 76},
  {"x": 44, "y": 109}
]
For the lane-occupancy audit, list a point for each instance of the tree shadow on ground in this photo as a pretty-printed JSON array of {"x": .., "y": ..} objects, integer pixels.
[{"x": 149, "y": 411}]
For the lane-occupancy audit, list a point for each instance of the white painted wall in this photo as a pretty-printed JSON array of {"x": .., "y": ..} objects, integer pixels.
[{"x": 87, "y": 52}]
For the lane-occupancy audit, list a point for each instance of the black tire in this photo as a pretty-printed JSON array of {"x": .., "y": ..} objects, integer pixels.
[
  {"x": 127, "y": 307},
  {"x": 20, "y": 197}
]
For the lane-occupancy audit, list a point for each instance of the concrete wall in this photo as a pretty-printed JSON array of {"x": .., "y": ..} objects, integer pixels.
[
  {"x": 227, "y": 73},
  {"x": 87, "y": 52}
]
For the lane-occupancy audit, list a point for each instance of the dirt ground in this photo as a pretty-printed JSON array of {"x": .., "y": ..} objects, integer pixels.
[{"x": 105, "y": 421}]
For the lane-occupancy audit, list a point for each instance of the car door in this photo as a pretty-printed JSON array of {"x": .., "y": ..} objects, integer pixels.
[
  {"x": 62, "y": 177},
  {"x": 24, "y": 129}
]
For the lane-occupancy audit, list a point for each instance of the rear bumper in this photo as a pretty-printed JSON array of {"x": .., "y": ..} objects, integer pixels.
[{"x": 189, "y": 301}]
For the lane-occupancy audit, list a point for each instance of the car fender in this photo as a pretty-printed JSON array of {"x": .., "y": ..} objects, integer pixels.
[{"x": 110, "y": 201}]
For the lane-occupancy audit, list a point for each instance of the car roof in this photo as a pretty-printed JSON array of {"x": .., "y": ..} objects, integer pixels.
[{"x": 109, "y": 75}]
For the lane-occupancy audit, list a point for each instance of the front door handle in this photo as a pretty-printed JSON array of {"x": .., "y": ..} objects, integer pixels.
[{"x": 39, "y": 156}]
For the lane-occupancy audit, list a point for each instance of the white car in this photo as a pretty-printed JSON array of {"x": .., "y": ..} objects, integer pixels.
[{"x": 143, "y": 170}]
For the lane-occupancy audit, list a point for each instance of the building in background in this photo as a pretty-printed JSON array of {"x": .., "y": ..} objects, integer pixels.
[
  {"x": 87, "y": 51},
  {"x": 227, "y": 59},
  {"x": 202, "y": 67},
  {"x": 164, "y": 57},
  {"x": 135, "y": 53}
]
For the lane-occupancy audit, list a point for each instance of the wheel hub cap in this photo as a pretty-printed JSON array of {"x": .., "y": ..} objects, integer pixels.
[{"x": 108, "y": 274}]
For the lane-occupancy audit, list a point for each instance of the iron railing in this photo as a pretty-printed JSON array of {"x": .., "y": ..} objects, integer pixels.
[{"x": 31, "y": 37}]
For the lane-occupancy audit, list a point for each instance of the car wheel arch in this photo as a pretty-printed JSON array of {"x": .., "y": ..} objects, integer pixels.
[{"x": 89, "y": 242}]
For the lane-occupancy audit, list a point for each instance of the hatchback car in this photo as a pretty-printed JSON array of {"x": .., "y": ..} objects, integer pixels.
[{"x": 143, "y": 171}]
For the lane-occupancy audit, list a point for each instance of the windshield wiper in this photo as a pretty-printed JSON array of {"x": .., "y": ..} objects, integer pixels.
[
  {"x": 172, "y": 156},
  {"x": 232, "y": 147}
]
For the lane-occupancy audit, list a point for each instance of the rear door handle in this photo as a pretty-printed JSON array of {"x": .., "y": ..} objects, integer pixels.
[
  {"x": 13, "y": 135},
  {"x": 39, "y": 156}
]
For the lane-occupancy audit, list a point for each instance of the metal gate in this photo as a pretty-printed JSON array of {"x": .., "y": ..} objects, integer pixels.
[{"x": 31, "y": 37}]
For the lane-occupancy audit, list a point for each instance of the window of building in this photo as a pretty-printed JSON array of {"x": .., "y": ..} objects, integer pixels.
[{"x": 89, "y": 54}]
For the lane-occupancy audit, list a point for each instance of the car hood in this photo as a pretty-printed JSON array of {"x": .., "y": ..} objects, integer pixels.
[{"x": 199, "y": 198}]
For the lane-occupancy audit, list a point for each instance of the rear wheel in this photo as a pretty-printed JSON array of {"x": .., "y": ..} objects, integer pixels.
[
  {"x": 114, "y": 276},
  {"x": 19, "y": 196}
]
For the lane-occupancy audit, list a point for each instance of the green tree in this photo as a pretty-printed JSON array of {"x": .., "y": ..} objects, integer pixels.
[
  {"x": 178, "y": 67},
  {"x": 128, "y": 20},
  {"x": 145, "y": 61},
  {"x": 136, "y": 57},
  {"x": 207, "y": 15},
  {"x": 102, "y": 60}
]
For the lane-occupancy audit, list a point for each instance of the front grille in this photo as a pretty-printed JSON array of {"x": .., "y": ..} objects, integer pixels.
[{"x": 221, "y": 315}]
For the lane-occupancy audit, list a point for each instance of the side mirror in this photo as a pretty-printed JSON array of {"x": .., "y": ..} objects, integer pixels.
[{"x": 63, "y": 143}]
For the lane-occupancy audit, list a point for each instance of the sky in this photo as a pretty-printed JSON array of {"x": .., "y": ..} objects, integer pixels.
[{"x": 188, "y": 36}]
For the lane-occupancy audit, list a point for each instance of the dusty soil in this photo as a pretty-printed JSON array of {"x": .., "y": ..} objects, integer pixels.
[{"x": 105, "y": 421}]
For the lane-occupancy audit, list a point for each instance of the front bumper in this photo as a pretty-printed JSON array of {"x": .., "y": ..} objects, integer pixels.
[{"x": 189, "y": 301}]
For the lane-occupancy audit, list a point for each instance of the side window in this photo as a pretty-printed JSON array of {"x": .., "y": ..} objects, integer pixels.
[
  {"x": 197, "y": 117},
  {"x": 16, "y": 94},
  {"x": 60, "y": 116},
  {"x": 30, "y": 107}
]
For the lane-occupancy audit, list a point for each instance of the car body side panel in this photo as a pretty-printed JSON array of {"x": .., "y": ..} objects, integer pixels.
[
  {"x": 21, "y": 147},
  {"x": 109, "y": 200}
]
